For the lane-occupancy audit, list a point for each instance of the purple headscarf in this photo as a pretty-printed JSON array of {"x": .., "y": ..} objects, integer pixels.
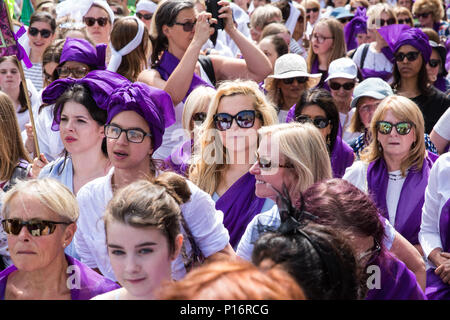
[
  {"x": 100, "y": 83},
  {"x": 152, "y": 104},
  {"x": 81, "y": 50},
  {"x": 356, "y": 26},
  {"x": 416, "y": 38}
]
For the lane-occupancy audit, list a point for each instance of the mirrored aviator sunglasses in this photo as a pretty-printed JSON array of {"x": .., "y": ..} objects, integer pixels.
[
  {"x": 385, "y": 127},
  {"x": 36, "y": 228},
  {"x": 319, "y": 122},
  {"x": 244, "y": 119}
]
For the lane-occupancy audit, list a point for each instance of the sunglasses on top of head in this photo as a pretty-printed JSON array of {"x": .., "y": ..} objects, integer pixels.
[
  {"x": 35, "y": 227},
  {"x": 244, "y": 119},
  {"x": 319, "y": 122},
  {"x": 403, "y": 128},
  {"x": 45, "y": 33},
  {"x": 89, "y": 21}
]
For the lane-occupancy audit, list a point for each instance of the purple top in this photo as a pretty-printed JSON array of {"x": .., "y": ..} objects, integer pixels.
[
  {"x": 80, "y": 50},
  {"x": 168, "y": 64},
  {"x": 86, "y": 286},
  {"x": 436, "y": 289},
  {"x": 178, "y": 161},
  {"x": 341, "y": 158},
  {"x": 409, "y": 209},
  {"x": 239, "y": 205},
  {"x": 315, "y": 69},
  {"x": 397, "y": 281}
]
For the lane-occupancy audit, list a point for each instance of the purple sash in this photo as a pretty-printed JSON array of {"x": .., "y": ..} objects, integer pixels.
[
  {"x": 179, "y": 160},
  {"x": 397, "y": 281},
  {"x": 341, "y": 158},
  {"x": 87, "y": 283},
  {"x": 239, "y": 205},
  {"x": 409, "y": 209},
  {"x": 436, "y": 289},
  {"x": 369, "y": 73},
  {"x": 168, "y": 64},
  {"x": 440, "y": 84}
]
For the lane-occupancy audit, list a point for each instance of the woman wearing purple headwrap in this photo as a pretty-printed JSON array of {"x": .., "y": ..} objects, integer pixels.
[
  {"x": 137, "y": 118},
  {"x": 396, "y": 166},
  {"x": 356, "y": 30},
  {"x": 412, "y": 52},
  {"x": 181, "y": 32}
]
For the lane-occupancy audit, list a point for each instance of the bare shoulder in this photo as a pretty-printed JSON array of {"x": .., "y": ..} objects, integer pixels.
[{"x": 152, "y": 78}]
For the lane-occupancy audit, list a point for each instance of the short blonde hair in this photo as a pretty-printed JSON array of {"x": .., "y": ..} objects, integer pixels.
[
  {"x": 403, "y": 109},
  {"x": 50, "y": 192},
  {"x": 263, "y": 14},
  {"x": 433, "y": 6},
  {"x": 196, "y": 101},
  {"x": 374, "y": 13},
  {"x": 402, "y": 10},
  {"x": 304, "y": 147},
  {"x": 204, "y": 175}
]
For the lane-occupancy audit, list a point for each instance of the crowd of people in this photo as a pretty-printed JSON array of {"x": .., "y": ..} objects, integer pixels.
[{"x": 290, "y": 149}]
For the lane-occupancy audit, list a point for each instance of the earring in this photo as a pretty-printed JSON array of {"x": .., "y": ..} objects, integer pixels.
[
  {"x": 64, "y": 245},
  {"x": 380, "y": 147}
]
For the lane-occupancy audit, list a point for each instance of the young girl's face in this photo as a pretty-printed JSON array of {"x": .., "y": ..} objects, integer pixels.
[
  {"x": 140, "y": 258},
  {"x": 322, "y": 39}
]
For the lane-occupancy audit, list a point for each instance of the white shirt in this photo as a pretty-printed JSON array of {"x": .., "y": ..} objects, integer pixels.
[
  {"x": 374, "y": 60},
  {"x": 50, "y": 143},
  {"x": 205, "y": 222},
  {"x": 442, "y": 127},
  {"x": 394, "y": 188},
  {"x": 282, "y": 115},
  {"x": 437, "y": 194},
  {"x": 346, "y": 119}
]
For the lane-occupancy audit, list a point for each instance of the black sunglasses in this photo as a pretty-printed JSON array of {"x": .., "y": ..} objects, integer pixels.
[
  {"x": 434, "y": 63},
  {"x": 244, "y": 119},
  {"x": 267, "y": 164},
  {"x": 89, "y": 21},
  {"x": 385, "y": 127},
  {"x": 35, "y": 227},
  {"x": 423, "y": 15},
  {"x": 133, "y": 135},
  {"x": 387, "y": 22},
  {"x": 291, "y": 80},
  {"x": 199, "y": 117},
  {"x": 345, "y": 20},
  {"x": 312, "y": 10},
  {"x": 45, "y": 33},
  {"x": 347, "y": 86},
  {"x": 404, "y": 21},
  {"x": 147, "y": 16},
  {"x": 187, "y": 26},
  {"x": 411, "y": 56},
  {"x": 319, "y": 122}
]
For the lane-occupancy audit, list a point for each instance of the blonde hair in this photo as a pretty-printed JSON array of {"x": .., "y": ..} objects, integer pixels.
[
  {"x": 315, "y": 3},
  {"x": 339, "y": 48},
  {"x": 304, "y": 147},
  {"x": 263, "y": 14},
  {"x": 11, "y": 145},
  {"x": 205, "y": 175},
  {"x": 374, "y": 13},
  {"x": 51, "y": 193},
  {"x": 433, "y": 6},
  {"x": 123, "y": 31},
  {"x": 403, "y": 109},
  {"x": 402, "y": 10},
  {"x": 196, "y": 101}
]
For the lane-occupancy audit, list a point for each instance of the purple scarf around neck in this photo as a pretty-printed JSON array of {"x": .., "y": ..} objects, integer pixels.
[
  {"x": 409, "y": 209},
  {"x": 397, "y": 281},
  {"x": 168, "y": 64},
  {"x": 341, "y": 158},
  {"x": 436, "y": 289},
  {"x": 239, "y": 205},
  {"x": 440, "y": 84}
]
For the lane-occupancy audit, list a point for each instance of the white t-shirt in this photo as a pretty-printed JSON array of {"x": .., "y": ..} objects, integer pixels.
[
  {"x": 205, "y": 222},
  {"x": 437, "y": 194},
  {"x": 374, "y": 60},
  {"x": 50, "y": 143},
  {"x": 282, "y": 115},
  {"x": 346, "y": 119},
  {"x": 442, "y": 127}
]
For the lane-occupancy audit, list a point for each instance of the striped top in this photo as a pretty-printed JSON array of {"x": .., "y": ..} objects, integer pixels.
[{"x": 35, "y": 75}]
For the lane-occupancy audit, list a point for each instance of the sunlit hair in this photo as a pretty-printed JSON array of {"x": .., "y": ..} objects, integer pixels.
[
  {"x": 403, "y": 109},
  {"x": 363, "y": 3},
  {"x": 339, "y": 47},
  {"x": 123, "y": 31},
  {"x": 22, "y": 98},
  {"x": 42, "y": 16},
  {"x": 263, "y": 15},
  {"x": 233, "y": 280},
  {"x": 303, "y": 146},
  {"x": 51, "y": 193},
  {"x": 196, "y": 101},
  {"x": 374, "y": 14},
  {"x": 52, "y": 54},
  {"x": 433, "y": 6},
  {"x": 404, "y": 11},
  {"x": 11, "y": 145},
  {"x": 204, "y": 174},
  {"x": 154, "y": 203}
]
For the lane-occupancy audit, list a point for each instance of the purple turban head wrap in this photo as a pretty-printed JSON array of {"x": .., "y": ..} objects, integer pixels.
[
  {"x": 81, "y": 50},
  {"x": 99, "y": 83},
  {"x": 152, "y": 104},
  {"x": 416, "y": 38},
  {"x": 356, "y": 26}
]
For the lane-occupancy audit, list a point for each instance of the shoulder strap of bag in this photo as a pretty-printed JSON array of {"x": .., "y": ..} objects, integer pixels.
[{"x": 364, "y": 54}]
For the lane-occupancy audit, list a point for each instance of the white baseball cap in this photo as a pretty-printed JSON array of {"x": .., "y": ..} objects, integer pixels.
[{"x": 342, "y": 68}]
